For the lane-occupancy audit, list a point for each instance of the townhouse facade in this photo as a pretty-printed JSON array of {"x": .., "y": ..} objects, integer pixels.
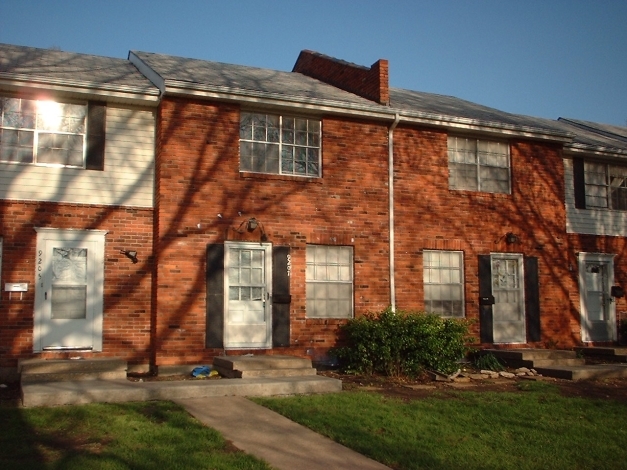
[
  {"x": 243, "y": 210},
  {"x": 76, "y": 191}
]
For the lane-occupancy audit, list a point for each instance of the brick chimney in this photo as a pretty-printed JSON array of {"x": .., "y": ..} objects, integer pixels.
[{"x": 370, "y": 83}]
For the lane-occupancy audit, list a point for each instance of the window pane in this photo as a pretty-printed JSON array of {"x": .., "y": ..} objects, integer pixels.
[
  {"x": 494, "y": 180},
  {"x": 63, "y": 149},
  {"x": 279, "y": 135},
  {"x": 443, "y": 282},
  {"x": 246, "y": 126},
  {"x": 57, "y": 128},
  {"x": 463, "y": 176},
  {"x": 329, "y": 281},
  {"x": 16, "y": 146},
  {"x": 68, "y": 302},
  {"x": 478, "y": 165}
]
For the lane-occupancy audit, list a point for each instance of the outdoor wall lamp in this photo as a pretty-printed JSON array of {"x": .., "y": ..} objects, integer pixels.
[
  {"x": 511, "y": 238},
  {"x": 252, "y": 224},
  {"x": 132, "y": 255}
]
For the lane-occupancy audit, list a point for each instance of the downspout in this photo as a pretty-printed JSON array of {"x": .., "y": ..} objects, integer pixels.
[{"x": 391, "y": 208}]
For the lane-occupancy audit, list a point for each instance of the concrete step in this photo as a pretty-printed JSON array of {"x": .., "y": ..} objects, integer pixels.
[
  {"x": 115, "y": 391},
  {"x": 585, "y": 372},
  {"x": 613, "y": 354},
  {"x": 56, "y": 370},
  {"x": 556, "y": 362},
  {"x": 532, "y": 354},
  {"x": 263, "y": 366},
  {"x": 245, "y": 374}
]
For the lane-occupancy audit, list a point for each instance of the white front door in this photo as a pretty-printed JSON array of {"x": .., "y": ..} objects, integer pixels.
[
  {"x": 509, "y": 300},
  {"x": 68, "y": 297},
  {"x": 247, "y": 316},
  {"x": 598, "y": 311}
]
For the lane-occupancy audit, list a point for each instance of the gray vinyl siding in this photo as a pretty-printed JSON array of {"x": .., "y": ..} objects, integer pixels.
[
  {"x": 590, "y": 221},
  {"x": 128, "y": 177}
]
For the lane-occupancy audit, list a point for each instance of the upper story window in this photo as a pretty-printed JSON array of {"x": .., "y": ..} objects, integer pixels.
[
  {"x": 605, "y": 186},
  {"x": 45, "y": 132},
  {"x": 478, "y": 165},
  {"x": 271, "y": 143}
]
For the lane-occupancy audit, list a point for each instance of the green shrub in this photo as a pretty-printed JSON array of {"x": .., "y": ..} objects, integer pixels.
[{"x": 402, "y": 343}]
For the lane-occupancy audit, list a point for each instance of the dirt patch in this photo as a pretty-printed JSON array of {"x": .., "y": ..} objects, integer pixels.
[{"x": 425, "y": 386}]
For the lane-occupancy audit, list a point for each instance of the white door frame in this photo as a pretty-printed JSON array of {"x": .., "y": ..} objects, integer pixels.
[
  {"x": 509, "y": 331},
  {"x": 607, "y": 325},
  {"x": 248, "y": 320},
  {"x": 91, "y": 329}
]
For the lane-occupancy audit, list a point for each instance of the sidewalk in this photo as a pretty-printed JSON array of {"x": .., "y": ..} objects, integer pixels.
[{"x": 282, "y": 443}]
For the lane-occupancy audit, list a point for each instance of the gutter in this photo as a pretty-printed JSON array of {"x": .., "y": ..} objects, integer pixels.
[
  {"x": 397, "y": 118},
  {"x": 14, "y": 81}
]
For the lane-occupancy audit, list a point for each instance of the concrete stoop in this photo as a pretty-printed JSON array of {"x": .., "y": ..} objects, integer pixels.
[
  {"x": 606, "y": 353},
  {"x": 59, "y": 370},
  {"x": 73, "y": 382},
  {"x": 115, "y": 391},
  {"x": 562, "y": 364},
  {"x": 241, "y": 367}
]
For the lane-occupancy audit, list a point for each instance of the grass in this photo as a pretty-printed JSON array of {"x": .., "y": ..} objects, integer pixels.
[
  {"x": 536, "y": 429},
  {"x": 145, "y": 435}
]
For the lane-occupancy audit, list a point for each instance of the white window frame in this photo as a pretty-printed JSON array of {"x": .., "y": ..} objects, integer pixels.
[
  {"x": 439, "y": 278},
  {"x": 330, "y": 281},
  {"x": 38, "y": 128},
  {"x": 462, "y": 158},
  {"x": 600, "y": 190},
  {"x": 284, "y": 141}
]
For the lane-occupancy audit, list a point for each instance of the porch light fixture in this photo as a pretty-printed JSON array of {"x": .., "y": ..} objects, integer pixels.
[
  {"x": 132, "y": 255},
  {"x": 511, "y": 238},
  {"x": 252, "y": 224}
]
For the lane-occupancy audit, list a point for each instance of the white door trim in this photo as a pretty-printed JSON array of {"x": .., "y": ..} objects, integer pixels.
[
  {"x": 609, "y": 306},
  {"x": 96, "y": 240}
]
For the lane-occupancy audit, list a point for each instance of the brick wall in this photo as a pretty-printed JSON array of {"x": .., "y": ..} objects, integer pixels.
[
  {"x": 202, "y": 194},
  {"x": 430, "y": 216},
  {"x": 127, "y": 286}
]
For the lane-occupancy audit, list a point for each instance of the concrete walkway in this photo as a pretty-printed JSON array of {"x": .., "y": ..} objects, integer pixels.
[{"x": 282, "y": 443}]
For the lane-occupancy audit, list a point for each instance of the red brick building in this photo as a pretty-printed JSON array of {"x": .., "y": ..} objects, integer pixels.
[{"x": 244, "y": 210}]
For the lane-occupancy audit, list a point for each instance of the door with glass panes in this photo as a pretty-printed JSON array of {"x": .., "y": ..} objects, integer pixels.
[
  {"x": 248, "y": 309},
  {"x": 69, "y": 290},
  {"x": 509, "y": 303}
]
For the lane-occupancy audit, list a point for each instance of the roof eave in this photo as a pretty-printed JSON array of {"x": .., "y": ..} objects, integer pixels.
[
  {"x": 177, "y": 88},
  {"x": 596, "y": 150},
  {"x": 487, "y": 127},
  {"x": 130, "y": 94},
  {"x": 276, "y": 100}
]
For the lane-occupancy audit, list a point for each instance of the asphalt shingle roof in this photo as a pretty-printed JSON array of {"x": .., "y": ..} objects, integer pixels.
[
  {"x": 197, "y": 74},
  {"x": 49, "y": 66},
  {"x": 454, "y": 109},
  {"x": 58, "y": 67}
]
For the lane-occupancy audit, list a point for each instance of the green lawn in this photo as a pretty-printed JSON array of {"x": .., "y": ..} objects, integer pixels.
[
  {"x": 535, "y": 429},
  {"x": 150, "y": 435}
]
